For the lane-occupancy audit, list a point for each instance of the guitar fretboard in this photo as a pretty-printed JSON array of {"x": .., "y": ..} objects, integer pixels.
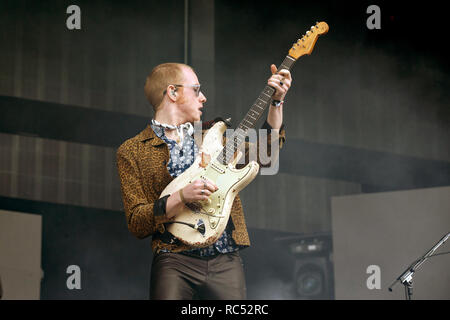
[{"x": 259, "y": 106}]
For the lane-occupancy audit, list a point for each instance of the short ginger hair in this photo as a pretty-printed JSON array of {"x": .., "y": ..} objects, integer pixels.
[{"x": 162, "y": 76}]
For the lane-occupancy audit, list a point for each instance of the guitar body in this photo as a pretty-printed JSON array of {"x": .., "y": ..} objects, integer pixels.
[{"x": 215, "y": 212}]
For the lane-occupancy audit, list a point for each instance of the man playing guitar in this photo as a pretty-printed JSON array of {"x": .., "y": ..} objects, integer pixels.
[{"x": 164, "y": 150}]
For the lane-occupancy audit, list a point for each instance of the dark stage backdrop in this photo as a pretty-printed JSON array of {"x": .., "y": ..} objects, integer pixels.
[{"x": 367, "y": 112}]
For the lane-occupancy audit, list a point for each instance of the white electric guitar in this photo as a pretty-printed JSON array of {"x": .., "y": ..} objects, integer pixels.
[{"x": 200, "y": 224}]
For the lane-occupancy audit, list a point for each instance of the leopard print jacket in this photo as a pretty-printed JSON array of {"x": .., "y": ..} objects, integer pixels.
[{"x": 142, "y": 166}]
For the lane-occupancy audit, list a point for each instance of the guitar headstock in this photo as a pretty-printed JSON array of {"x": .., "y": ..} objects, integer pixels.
[{"x": 305, "y": 45}]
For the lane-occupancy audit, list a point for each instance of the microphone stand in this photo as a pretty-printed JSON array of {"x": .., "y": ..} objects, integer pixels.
[{"x": 406, "y": 278}]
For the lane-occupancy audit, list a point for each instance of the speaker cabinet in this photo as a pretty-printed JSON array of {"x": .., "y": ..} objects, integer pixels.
[{"x": 287, "y": 266}]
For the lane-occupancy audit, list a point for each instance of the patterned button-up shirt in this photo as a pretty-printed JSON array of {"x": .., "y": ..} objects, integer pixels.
[{"x": 181, "y": 158}]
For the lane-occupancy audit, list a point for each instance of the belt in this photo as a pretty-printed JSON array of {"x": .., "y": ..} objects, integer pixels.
[
  {"x": 194, "y": 255},
  {"x": 168, "y": 238}
]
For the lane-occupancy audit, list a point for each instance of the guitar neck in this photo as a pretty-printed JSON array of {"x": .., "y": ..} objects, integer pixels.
[
  {"x": 303, "y": 46},
  {"x": 263, "y": 100},
  {"x": 251, "y": 118}
]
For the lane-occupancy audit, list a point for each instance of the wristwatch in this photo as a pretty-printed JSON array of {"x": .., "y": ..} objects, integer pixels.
[{"x": 277, "y": 103}]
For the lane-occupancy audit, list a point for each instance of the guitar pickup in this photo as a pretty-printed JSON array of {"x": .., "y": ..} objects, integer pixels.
[{"x": 218, "y": 169}]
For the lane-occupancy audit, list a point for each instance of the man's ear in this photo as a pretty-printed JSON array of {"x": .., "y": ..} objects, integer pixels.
[{"x": 172, "y": 92}]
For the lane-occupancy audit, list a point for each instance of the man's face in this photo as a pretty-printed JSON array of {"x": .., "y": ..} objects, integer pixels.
[{"x": 190, "y": 104}]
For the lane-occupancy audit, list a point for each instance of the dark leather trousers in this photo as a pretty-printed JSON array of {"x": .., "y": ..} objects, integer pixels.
[{"x": 176, "y": 276}]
